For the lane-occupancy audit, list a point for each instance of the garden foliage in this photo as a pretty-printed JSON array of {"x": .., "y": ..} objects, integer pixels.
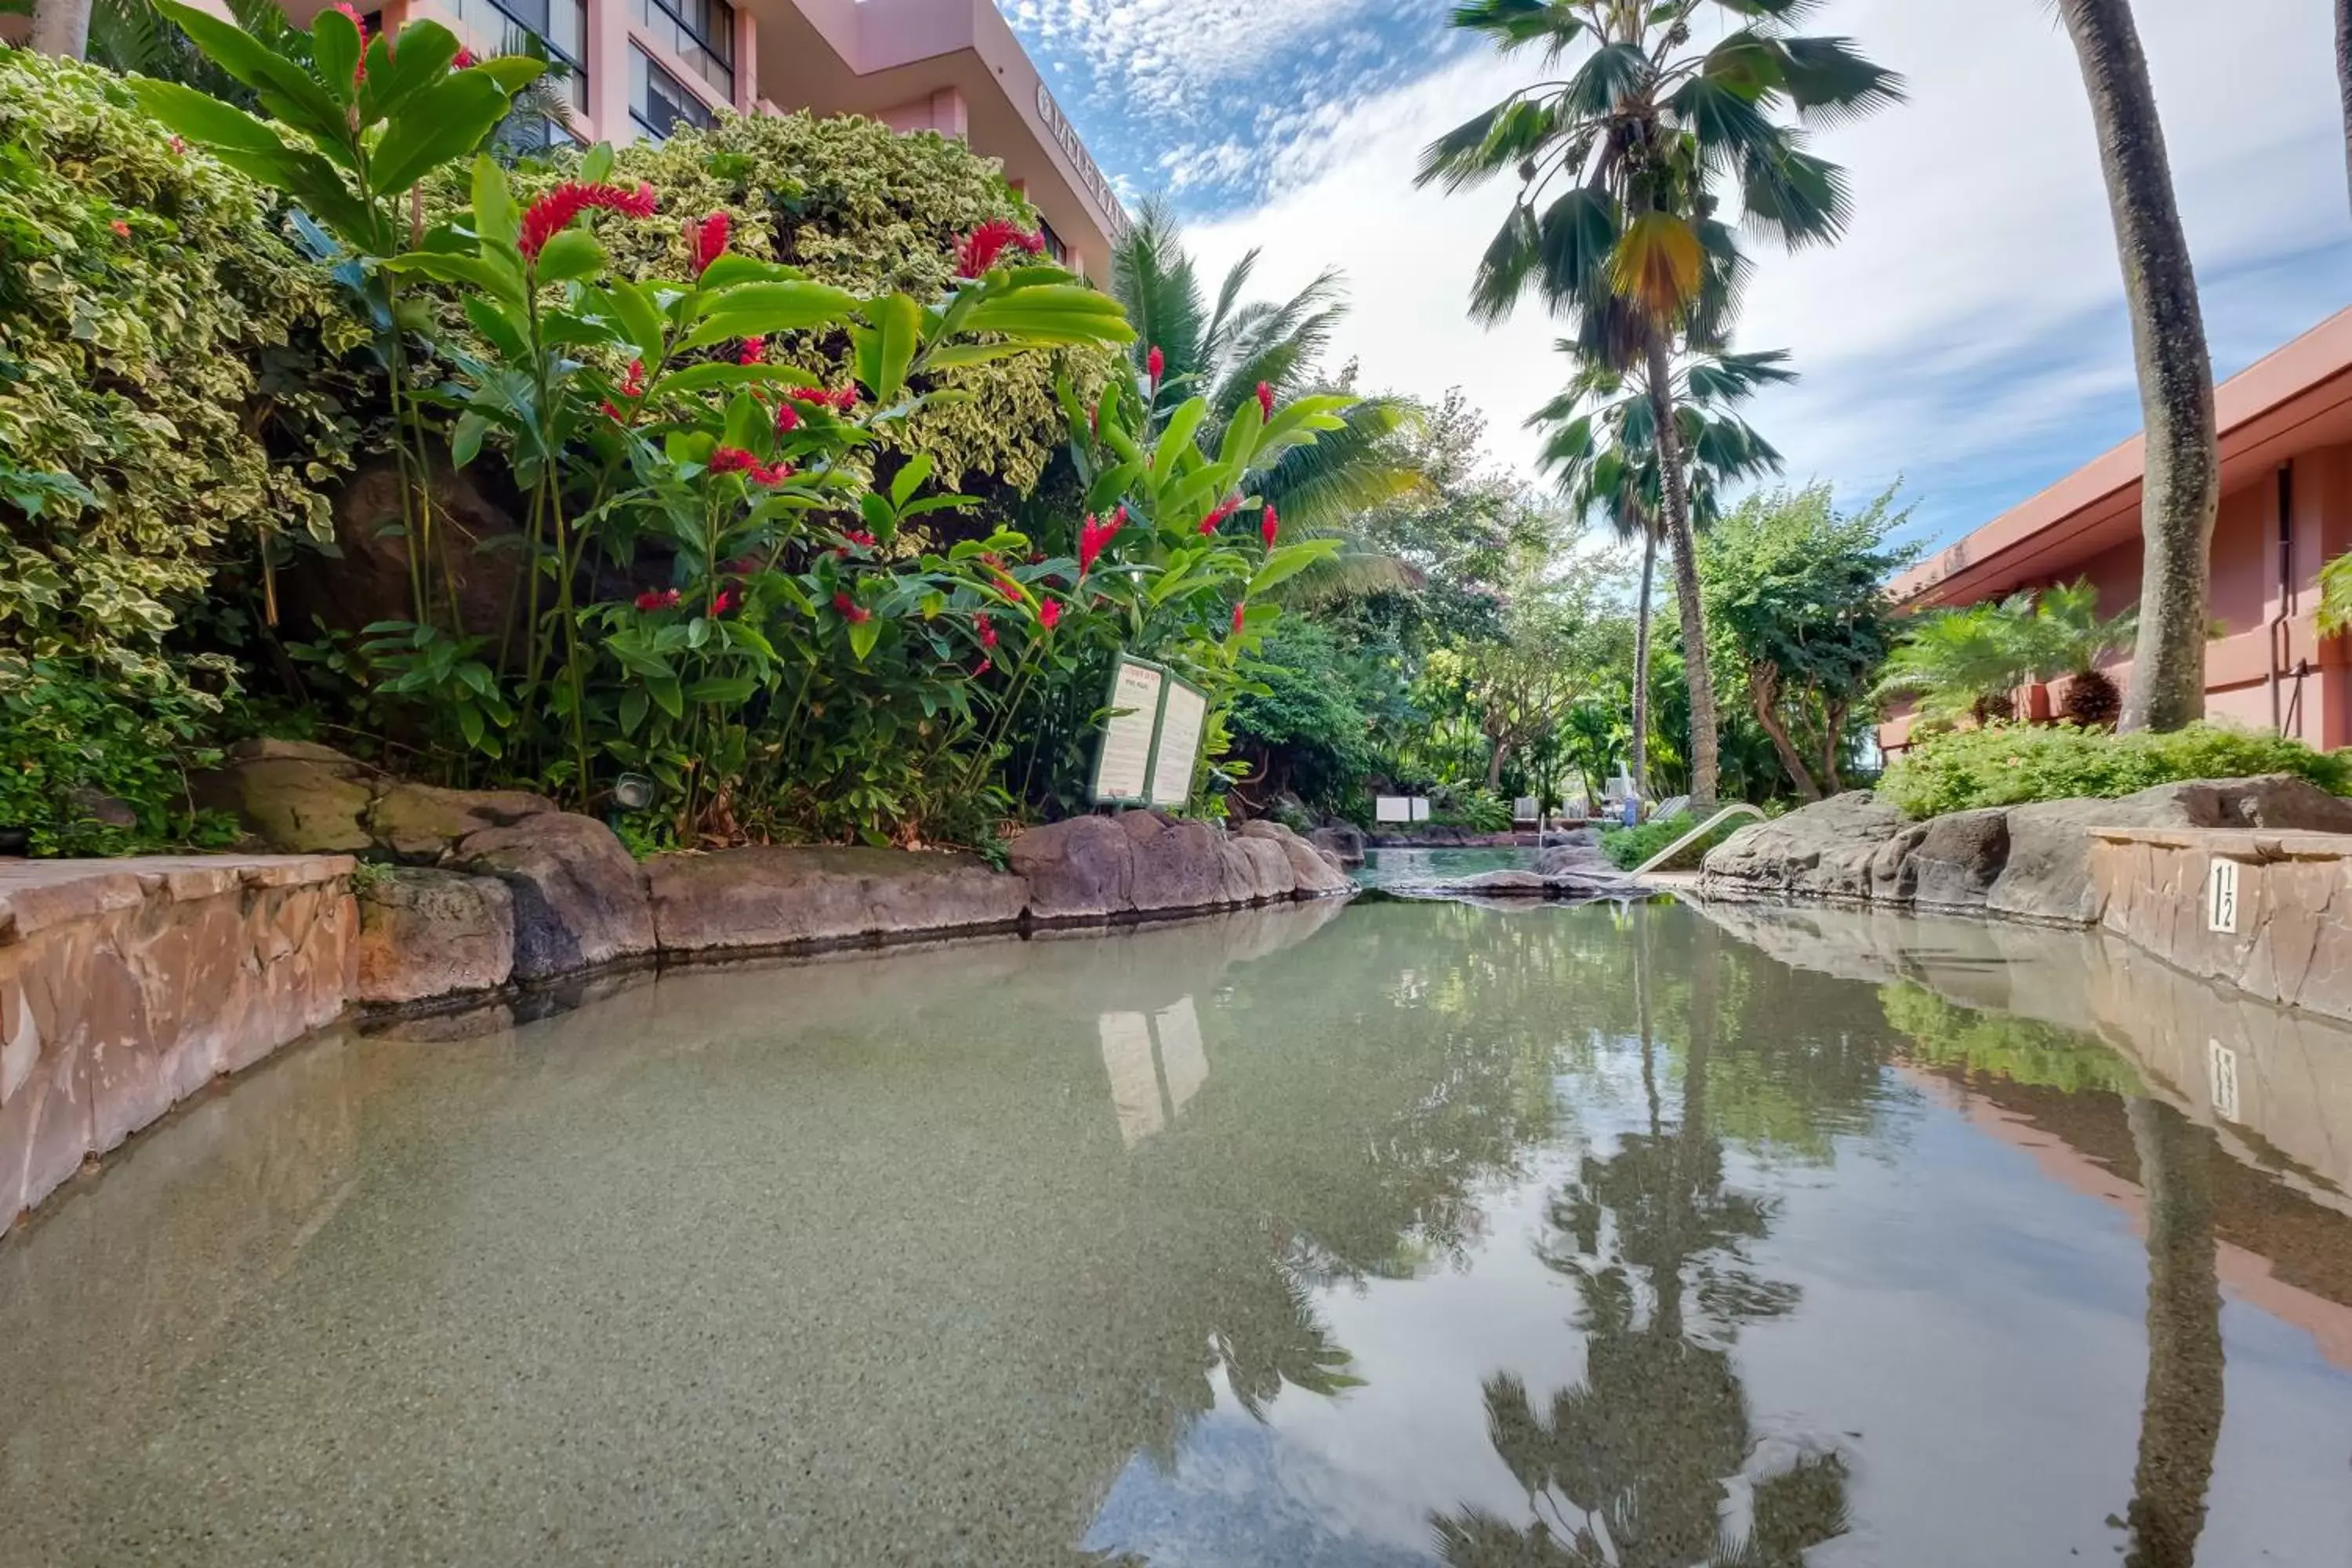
[{"x": 2010, "y": 764}]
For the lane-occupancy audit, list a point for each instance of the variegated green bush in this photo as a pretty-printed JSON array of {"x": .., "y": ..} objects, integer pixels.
[{"x": 165, "y": 388}]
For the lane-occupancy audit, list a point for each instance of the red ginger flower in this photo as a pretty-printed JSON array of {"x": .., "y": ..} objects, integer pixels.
[
  {"x": 1156, "y": 363},
  {"x": 463, "y": 60},
  {"x": 1239, "y": 610},
  {"x": 634, "y": 383},
  {"x": 733, "y": 460},
  {"x": 654, "y": 599},
  {"x": 981, "y": 667},
  {"x": 851, "y": 610},
  {"x": 788, "y": 419},
  {"x": 1049, "y": 614},
  {"x": 707, "y": 239},
  {"x": 1265, "y": 400},
  {"x": 548, "y": 216},
  {"x": 751, "y": 350},
  {"x": 1225, "y": 509},
  {"x": 982, "y": 246},
  {"x": 1093, "y": 536},
  {"x": 122, "y": 229},
  {"x": 1268, "y": 526},
  {"x": 727, "y": 600},
  {"x": 987, "y": 631}
]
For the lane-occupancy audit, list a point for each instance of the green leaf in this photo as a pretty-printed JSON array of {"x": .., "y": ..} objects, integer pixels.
[
  {"x": 633, "y": 307},
  {"x": 1176, "y": 439},
  {"x": 572, "y": 255},
  {"x": 470, "y": 271},
  {"x": 909, "y": 478},
  {"x": 733, "y": 269},
  {"x": 947, "y": 356},
  {"x": 497, "y": 220},
  {"x": 512, "y": 73},
  {"x": 764, "y": 309},
  {"x": 597, "y": 163},
  {"x": 335, "y": 50},
  {"x": 286, "y": 90},
  {"x": 897, "y": 332},
  {"x": 1289, "y": 561},
  {"x": 666, "y": 695},
  {"x": 395, "y": 76},
  {"x": 863, "y": 636},
  {"x": 633, "y": 703},
  {"x": 505, "y": 334},
  {"x": 466, "y": 440},
  {"x": 446, "y": 120},
  {"x": 709, "y": 375},
  {"x": 728, "y": 689},
  {"x": 1067, "y": 313}
]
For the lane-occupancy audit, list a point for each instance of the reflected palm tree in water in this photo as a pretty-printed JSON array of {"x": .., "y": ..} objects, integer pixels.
[
  {"x": 1633, "y": 1467},
  {"x": 2181, "y": 1416}
]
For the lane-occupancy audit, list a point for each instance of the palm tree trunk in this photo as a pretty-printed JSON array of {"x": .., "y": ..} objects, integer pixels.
[
  {"x": 2180, "y": 1416},
  {"x": 1703, "y": 756},
  {"x": 2344, "y": 73},
  {"x": 60, "y": 27},
  {"x": 2183, "y": 491},
  {"x": 1640, "y": 759}
]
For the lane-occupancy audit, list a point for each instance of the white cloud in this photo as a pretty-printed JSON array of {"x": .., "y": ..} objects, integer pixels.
[{"x": 1975, "y": 310}]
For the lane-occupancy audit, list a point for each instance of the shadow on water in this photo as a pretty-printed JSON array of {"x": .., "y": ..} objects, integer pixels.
[{"x": 1402, "y": 1234}]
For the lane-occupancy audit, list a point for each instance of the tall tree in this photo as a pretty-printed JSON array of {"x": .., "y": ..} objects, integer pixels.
[
  {"x": 60, "y": 27},
  {"x": 2180, "y": 1415},
  {"x": 2344, "y": 73},
  {"x": 1601, "y": 447},
  {"x": 1647, "y": 136},
  {"x": 2182, "y": 495}
]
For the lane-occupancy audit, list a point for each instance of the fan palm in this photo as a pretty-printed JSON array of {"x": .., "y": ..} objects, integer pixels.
[
  {"x": 1223, "y": 350},
  {"x": 2071, "y": 639},
  {"x": 1965, "y": 663},
  {"x": 1602, "y": 448},
  {"x": 1645, "y": 136}
]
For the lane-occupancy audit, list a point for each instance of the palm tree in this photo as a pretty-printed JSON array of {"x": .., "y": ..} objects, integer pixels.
[
  {"x": 1603, "y": 448},
  {"x": 60, "y": 27},
  {"x": 1965, "y": 663},
  {"x": 2182, "y": 495},
  {"x": 2180, "y": 1412},
  {"x": 2071, "y": 640},
  {"x": 2344, "y": 72},
  {"x": 1223, "y": 352},
  {"x": 1648, "y": 135}
]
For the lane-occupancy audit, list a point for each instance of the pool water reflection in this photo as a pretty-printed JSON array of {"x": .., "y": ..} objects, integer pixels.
[{"x": 1402, "y": 1233}]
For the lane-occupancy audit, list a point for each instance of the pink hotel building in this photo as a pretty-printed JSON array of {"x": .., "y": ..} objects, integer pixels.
[{"x": 641, "y": 68}]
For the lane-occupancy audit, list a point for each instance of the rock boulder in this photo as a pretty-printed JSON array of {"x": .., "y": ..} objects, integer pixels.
[
  {"x": 426, "y": 933},
  {"x": 765, "y": 897},
  {"x": 578, "y": 900},
  {"x": 1079, "y": 869},
  {"x": 296, "y": 797}
]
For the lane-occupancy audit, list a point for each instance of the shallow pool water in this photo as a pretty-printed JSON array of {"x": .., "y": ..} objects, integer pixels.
[
  {"x": 1387, "y": 867},
  {"x": 1395, "y": 1234}
]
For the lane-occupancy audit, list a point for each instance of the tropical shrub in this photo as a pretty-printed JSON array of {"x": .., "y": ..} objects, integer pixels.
[
  {"x": 1304, "y": 723},
  {"x": 2010, "y": 765},
  {"x": 168, "y": 393},
  {"x": 84, "y": 749},
  {"x": 850, "y": 203}
]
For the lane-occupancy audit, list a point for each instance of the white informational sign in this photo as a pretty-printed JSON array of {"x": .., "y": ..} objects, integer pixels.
[
  {"x": 1391, "y": 809},
  {"x": 2221, "y": 898},
  {"x": 1183, "y": 711},
  {"x": 1123, "y": 767},
  {"x": 2221, "y": 1068},
  {"x": 1421, "y": 808}
]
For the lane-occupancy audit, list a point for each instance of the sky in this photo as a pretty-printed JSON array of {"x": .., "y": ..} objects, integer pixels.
[{"x": 1967, "y": 339}]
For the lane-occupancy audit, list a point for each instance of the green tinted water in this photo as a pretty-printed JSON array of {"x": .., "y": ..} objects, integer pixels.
[{"x": 1398, "y": 1234}]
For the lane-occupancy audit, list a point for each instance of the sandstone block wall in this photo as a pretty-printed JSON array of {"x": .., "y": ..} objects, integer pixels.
[
  {"x": 2290, "y": 914},
  {"x": 126, "y": 987}
]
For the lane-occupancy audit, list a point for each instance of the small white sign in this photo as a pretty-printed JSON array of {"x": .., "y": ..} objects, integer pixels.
[
  {"x": 2221, "y": 1071},
  {"x": 2221, "y": 898},
  {"x": 1123, "y": 768},
  {"x": 1420, "y": 809},
  {"x": 1391, "y": 809},
  {"x": 1183, "y": 713}
]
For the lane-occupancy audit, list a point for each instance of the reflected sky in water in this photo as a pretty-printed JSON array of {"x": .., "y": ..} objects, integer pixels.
[{"x": 1398, "y": 1234}]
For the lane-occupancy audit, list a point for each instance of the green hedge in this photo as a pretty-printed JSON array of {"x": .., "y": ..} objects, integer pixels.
[
  {"x": 1629, "y": 847},
  {"x": 2010, "y": 764}
]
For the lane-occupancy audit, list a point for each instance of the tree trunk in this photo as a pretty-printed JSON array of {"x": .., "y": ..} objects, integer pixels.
[
  {"x": 1703, "y": 762},
  {"x": 2344, "y": 73},
  {"x": 1833, "y": 745},
  {"x": 2176, "y": 372},
  {"x": 1495, "y": 766},
  {"x": 2180, "y": 1416},
  {"x": 1641, "y": 757},
  {"x": 1763, "y": 696},
  {"x": 60, "y": 27}
]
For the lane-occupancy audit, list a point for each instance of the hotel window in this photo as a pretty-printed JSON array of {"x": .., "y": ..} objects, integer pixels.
[
  {"x": 660, "y": 102},
  {"x": 1054, "y": 246},
  {"x": 700, "y": 32},
  {"x": 498, "y": 26}
]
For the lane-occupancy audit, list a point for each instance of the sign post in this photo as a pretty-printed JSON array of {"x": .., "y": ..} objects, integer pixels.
[{"x": 1151, "y": 745}]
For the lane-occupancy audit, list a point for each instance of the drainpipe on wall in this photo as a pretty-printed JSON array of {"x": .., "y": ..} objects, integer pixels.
[{"x": 2276, "y": 652}]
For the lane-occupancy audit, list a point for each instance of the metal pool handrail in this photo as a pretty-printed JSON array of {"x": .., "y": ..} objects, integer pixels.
[{"x": 1696, "y": 834}]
